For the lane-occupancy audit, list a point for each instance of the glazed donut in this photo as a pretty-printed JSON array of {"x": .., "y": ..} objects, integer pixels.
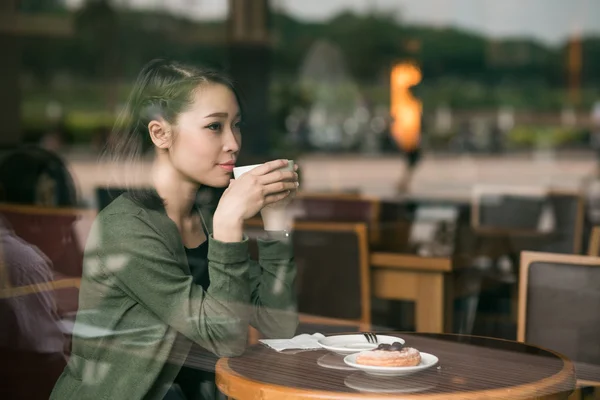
[{"x": 405, "y": 357}]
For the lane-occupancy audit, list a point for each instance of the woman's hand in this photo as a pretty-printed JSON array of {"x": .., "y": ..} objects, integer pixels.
[
  {"x": 247, "y": 195},
  {"x": 287, "y": 199}
]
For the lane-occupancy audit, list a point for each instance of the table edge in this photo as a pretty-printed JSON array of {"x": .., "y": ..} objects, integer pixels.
[{"x": 239, "y": 387}]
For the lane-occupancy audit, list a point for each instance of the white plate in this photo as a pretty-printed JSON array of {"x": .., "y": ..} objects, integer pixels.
[
  {"x": 334, "y": 361},
  {"x": 427, "y": 361},
  {"x": 385, "y": 384},
  {"x": 350, "y": 344}
]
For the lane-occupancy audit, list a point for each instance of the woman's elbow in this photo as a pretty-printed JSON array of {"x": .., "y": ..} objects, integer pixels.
[
  {"x": 282, "y": 326},
  {"x": 289, "y": 325},
  {"x": 232, "y": 349},
  {"x": 289, "y": 330},
  {"x": 230, "y": 339}
]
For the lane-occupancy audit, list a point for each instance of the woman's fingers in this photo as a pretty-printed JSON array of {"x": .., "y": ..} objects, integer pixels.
[
  {"x": 274, "y": 171},
  {"x": 278, "y": 176},
  {"x": 274, "y": 198},
  {"x": 269, "y": 167},
  {"x": 278, "y": 187}
]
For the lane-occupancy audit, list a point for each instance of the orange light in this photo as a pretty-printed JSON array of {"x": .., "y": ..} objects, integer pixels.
[{"x": 405, "y": 108}]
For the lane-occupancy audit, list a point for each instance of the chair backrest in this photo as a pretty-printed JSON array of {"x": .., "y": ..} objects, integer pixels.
[
  {"x": 59, "y": 233},
  {"x": 345, "y": 208},
  {"x": 508, "y": 209},
  {"x": 569, "y": 209},
  {"x": 567, "y": 237},
  {"x": 333, "y": 269},
  {"x": 559, "y": 299},
  {"x": 521, "y": 217},
  {"x": 403, "y": 221}
]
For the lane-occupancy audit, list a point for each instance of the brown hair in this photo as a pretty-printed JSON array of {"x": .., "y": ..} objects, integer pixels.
[{"x": 163, "y": 89}]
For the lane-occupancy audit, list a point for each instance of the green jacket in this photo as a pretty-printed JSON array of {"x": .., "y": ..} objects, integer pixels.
[{"x": 139, "y": 310}]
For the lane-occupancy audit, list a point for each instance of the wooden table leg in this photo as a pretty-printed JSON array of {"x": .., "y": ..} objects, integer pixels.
[
  {"x": 426, "y": 289},
  {"x": 430, "y": 303},
  {"x": 448, "y": 303}
]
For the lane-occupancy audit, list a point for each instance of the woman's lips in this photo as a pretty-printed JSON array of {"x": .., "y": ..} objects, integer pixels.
[{"x": 227, "y": 167}]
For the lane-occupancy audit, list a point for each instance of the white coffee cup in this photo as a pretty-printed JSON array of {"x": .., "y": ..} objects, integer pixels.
[
  {"x": 239, "y": 171},
  {"x": 272, "y": 217}
]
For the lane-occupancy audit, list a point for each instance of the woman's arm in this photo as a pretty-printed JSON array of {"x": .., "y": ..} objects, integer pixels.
[
  {"x": 273, "y": 294},
  {"x": 147, "y": 270},
  {"x": 272, "y": 279}
]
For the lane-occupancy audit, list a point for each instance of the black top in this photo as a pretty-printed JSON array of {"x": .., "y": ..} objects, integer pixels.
[
  {"x": 198, "y": 262},
  {"x": 197, "y": 383}
]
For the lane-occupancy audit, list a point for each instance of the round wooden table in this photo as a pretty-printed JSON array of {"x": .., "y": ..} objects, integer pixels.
[{"x": 469, "y": 367}]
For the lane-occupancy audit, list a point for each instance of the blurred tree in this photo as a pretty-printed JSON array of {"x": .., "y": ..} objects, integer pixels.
[
  {"x": 459, "y": 67},
  {"x": 370, "y": 43},
  {"x": 41, "y": 6},
  {"x": 591, "y": 59},
  {"x": 97, "y": 29}
]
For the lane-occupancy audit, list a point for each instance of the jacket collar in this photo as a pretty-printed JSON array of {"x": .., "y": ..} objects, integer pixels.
[{"x": 205, "y": 204}]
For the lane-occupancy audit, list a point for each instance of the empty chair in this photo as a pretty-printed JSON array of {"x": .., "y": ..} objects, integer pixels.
[
  {"x": 333, "y": 284},
  {"x": 559, "y": 299},
  {"x": 512, "y": 210},
  {"x": 59, "y": 233},
  {"x": 339, "y": 208},
  {"x": 566, "y": 237}
]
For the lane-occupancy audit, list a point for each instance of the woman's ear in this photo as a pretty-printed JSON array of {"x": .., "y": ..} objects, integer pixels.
[{"x": 160, "y": 133}]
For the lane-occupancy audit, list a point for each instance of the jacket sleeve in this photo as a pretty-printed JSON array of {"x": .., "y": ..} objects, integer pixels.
[
  {"x": 148, "y": 270},
  {"x": 273, "y": 295}
]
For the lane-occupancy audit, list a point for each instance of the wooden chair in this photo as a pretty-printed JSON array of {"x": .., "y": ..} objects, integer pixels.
[
  {"x": 509, "y": 220},
  {"x": 60, "y": 234},
  {"x": 333, "y": 282},
  {"x": 516, "y": 213},
  {"x": 340, "y": 207},
  {"x": 559, "y": 297},
  {"x": 594, "y": 243},
  {"x": 509, "y": 210},
  {"x": 19, "y": 367}
]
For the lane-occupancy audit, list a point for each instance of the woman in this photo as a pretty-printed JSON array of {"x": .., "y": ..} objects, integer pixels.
[{"x": 161, "y": 273}]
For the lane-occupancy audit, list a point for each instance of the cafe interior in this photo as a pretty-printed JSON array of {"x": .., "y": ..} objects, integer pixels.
[{"x": 479, "y": 251}]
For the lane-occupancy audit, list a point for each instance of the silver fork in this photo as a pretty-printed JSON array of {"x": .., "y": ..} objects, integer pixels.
[{"x": 371, "y": 337}]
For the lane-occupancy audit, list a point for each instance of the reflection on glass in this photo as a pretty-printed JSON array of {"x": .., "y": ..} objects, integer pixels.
[{"x": 378, "y": 384}]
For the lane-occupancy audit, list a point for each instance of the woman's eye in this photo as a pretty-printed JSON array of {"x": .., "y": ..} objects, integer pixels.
[
  {"x": 238, "y": 125},
  {"x": 214, "y": 126}
]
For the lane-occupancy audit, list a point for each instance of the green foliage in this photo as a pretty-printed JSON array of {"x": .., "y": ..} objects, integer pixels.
[
  {"x": 461, "y": 69},
  {"x": 525, "y": 136},
  {"x": 41, "y": 6}
]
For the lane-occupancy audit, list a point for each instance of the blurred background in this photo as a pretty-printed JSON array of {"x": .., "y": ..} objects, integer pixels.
[
  {"x": 513, "y": 82},
  {"x": 458, "y": 133}
]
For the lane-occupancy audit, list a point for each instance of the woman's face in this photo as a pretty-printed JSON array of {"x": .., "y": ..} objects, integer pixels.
[{"x": 207, "y": 137}]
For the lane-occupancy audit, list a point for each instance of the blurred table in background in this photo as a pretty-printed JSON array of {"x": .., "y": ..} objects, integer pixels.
[{"x": 424, "y": 280}]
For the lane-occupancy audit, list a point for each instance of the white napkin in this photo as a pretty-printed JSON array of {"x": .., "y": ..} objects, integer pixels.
[{"x": 300, "y": 342}]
